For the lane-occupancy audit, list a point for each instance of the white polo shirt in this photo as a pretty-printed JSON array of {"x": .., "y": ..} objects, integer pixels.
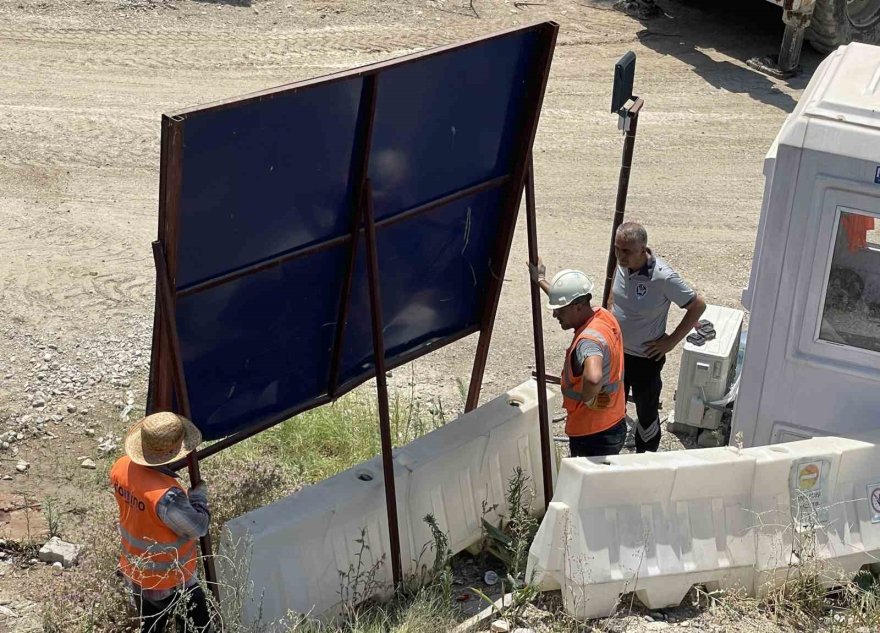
[{"x": 641, "y": 302}]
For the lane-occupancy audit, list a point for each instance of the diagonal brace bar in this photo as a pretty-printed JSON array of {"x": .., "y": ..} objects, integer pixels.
[
  {"x": 359, "y": 176},
  {"x": 534, "y": 97},
  {"x": 166, "y": 303}
]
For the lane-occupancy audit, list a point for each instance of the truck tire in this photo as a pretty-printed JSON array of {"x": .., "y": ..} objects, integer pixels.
[{"x": 838, "y": 22}]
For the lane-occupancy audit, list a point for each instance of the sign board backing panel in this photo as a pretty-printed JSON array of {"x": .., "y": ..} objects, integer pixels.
[{"x": 259, "y": 196}]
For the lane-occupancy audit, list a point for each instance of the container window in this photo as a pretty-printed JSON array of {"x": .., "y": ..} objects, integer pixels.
[{"x": 851, "y": 314}]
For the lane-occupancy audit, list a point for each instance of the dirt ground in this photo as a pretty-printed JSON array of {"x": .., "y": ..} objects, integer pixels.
[{"x": 83, "y": 84}]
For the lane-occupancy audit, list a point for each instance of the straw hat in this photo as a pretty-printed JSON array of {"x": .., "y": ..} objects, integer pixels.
[{"x": 161, "y": 438}]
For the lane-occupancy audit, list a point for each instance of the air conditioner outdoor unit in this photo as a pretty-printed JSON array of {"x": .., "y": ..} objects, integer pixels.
[{"x": 707, "y": 371}]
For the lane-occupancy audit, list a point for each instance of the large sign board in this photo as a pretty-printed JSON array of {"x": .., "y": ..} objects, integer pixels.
[{"x": 260, "y": 218}]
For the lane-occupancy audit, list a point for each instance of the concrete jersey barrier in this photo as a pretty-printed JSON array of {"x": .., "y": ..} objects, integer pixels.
[
  {"x": 287, "y": 556},
  {"x": 658, "y": 523}
]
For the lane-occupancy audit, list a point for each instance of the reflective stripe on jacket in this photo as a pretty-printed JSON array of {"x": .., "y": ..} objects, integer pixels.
[
  {"x": 153, "y": 556},
  {"x": 584, "y": 419}
]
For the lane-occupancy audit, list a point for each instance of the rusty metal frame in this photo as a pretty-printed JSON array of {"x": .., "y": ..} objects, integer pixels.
[
  {"x": 164, "y": 300},
  {"x": 360, "y": 168},
  {"x": 311, "y": 249},
  {"x": 538, "y": 335},
  {"x": 374, "y": 69},
  {"x": 170, "y": 180},
  {"x": 505, "y": 235},
  {"x": 381, "y": 386},
  {"x": 167, "y": 381}
]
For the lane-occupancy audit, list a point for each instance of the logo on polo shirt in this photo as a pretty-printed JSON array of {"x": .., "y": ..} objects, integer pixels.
[{"x": 641, "y": 290}]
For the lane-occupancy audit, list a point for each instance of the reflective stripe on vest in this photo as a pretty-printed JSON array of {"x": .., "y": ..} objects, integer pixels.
[
  {"x": 153, "y": 556},
  {"x": 174, "y": 555},
  {"x": 595, "y": 336},
  {"x": 577, "y": 395},
  {"x": 584, "y": 419},
  {"x": 146, "y": 564},
  {"x": 153, "y": 547}
]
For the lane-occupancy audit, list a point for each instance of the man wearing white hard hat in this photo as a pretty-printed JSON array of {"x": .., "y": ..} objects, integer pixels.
[
  {"x": 592, "y": 378},
  {"x": 159, "y": 523}
]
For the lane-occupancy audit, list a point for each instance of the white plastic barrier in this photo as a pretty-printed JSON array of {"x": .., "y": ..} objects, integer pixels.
[
  {"x": 289, "y": 554},
  {"x": 657, "y": 524}
]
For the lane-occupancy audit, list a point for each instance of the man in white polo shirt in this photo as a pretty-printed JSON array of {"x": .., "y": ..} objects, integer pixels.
[{"x": 644, "y": 287}]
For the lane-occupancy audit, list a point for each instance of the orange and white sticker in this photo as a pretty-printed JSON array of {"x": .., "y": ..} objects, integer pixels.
[{"x": 809, "y": 490}]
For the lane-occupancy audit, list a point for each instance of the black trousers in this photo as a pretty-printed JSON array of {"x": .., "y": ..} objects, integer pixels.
[
  {"x": 642, "y": 376},
  {"x": 607, "y": 442},
  {"x": 155, "y": 615}
]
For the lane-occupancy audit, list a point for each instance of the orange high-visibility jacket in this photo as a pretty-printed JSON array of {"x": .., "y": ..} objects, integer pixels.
[
  {"x": 153, "y": 556},
  {"x": 584, "y": 419}
]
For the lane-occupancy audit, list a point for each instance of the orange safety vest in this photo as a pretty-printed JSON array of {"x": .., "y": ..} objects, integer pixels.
[
  {"x": 856, "y": 227},
  {"x": 153, "y": 556},
  {"x": 582, "y": 418}
]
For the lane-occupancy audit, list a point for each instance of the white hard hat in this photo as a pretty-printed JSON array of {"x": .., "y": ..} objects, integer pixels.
[{"x": 566, "y": 286}]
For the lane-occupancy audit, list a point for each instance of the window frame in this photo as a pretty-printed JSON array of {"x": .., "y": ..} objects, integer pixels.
[{"x": 815, "y": 310}]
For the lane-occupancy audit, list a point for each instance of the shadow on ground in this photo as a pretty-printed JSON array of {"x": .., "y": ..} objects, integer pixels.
[{"x": 740, "y": 30}]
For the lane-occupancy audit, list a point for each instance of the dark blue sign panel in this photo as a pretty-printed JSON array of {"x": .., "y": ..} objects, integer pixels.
[
  {"x": 262, "y": 197},
  {"x": 265, "y": 178}
]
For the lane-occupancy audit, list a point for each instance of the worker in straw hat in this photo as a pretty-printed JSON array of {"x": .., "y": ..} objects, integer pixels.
[
  {"x": 159, "y": 523},
  {"x": 592, "y": 378}
]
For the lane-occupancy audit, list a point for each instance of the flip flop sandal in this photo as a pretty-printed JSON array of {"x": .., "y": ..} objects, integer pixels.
[
  {"x": 696, "y": 339},
  {"x": 707, "y": 330}
]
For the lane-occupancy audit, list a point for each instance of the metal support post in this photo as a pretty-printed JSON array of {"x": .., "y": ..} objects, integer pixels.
[
  {"x": 381, "y": 385},
  {"x": 631, "y": 120},
  {"x": 538, "y": 333}
]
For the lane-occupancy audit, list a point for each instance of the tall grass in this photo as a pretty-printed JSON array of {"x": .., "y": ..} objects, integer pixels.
[
  {"x": 325, "y": 441},
  {"x": 309, "y": 448}
]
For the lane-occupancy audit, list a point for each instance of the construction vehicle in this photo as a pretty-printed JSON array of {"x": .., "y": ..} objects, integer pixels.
[{"x": 825, "y": 24}]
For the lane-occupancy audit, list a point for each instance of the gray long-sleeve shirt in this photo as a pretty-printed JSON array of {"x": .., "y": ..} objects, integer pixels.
[{"x": 186, "y": 515}]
